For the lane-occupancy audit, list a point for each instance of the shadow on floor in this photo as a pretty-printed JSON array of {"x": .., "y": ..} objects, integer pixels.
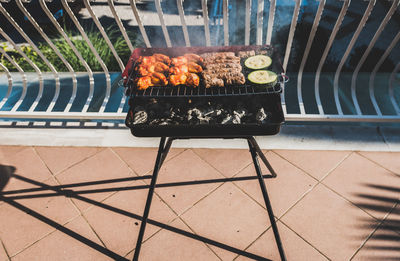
[
  {"x": 67, "y": 190},
  {"x": 5, "y": 173},
  {"x": 384, "y": 238}
]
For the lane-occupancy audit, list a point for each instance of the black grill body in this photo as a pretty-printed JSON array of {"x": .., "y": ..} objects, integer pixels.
[{"x": 182, "y": 96}]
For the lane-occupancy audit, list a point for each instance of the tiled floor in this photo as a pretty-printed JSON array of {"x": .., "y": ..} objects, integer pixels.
[{"x": 59, "y": 203}]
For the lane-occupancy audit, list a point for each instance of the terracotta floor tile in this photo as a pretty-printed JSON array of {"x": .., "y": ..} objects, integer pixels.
[
  {"x": 383, "y": 245},
  {"x": 119, "y": 231},
  {"x": 61, "y": 246},
  {"x": 142, "y": 160},
  {"x": 358, "y": 179},
  {"x": 8, "y": 151},
  {"x": 315, "y": 162},
  {"x": 57, "y": 208},
  {"x": 389, "y": 160},
  {"x": 227, "y": 161},
  {"x": 228, "y": 216},
  {"x": 19, "y": 229},
  {"x": 185, "y": 167},
  {"x": 27, "y": 164},
  {"x": 329, "y": 223},
  {"x": 105, "y": 165},
  {"x": 170, "y": 246},
  {"x": 283, "y": 190},
  {"x": 294, "y": 246},
  {"x": 60, "y": 158}
]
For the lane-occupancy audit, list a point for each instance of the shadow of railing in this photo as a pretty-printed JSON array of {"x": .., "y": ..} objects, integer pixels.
[
  {"x": 11, "y": 197},
  {"x": 387, "y": 233}
]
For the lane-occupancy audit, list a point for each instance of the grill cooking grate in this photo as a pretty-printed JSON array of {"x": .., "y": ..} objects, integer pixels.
[{"x": 185, "y": 91}]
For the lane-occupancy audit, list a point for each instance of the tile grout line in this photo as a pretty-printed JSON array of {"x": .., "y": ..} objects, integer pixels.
[
  {"x": 149, "y": 171},
  {"x": 353, "y": 204},
  {"x": 309, "y": 174},
  {"x": 5, "y": 250},
  {"x": 71, "y": 166},
  {"x": 252, "y": 243},
  {"x": 207, "y": 194},
  {"x": 44, "y": 236},
  {"x": 309, "y": 243},
  {"x": 308, "y": 192},
  {"x": 312, "y": 188},
  {"x": 73, "y": 203},
  {"x": 378, "y": 164},
  {"x": 240, "y": 189},
  {"x": 194, "y": 232},
  {"x": 155, "y": 192},
  {"x": 151, "y": 236},
  {"x": 208, "y": 163},
  {"x": 373, "y": 232},
  {"x": 211, "y": 191}
]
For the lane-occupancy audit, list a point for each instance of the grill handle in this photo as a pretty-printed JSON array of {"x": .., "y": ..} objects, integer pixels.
[{"x": 283, "y": 78}]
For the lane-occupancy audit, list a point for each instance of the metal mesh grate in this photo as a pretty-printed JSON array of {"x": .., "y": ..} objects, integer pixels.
[{"x": 185, "y": 91}]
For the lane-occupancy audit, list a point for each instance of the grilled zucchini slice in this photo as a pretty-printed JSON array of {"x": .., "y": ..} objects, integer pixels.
[
  {"x": 258, "y": 62},
  {"x": 263, "y": 77}
]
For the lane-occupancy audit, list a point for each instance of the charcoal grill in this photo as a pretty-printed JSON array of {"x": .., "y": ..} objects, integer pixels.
[{"x": 269, "y": 98}]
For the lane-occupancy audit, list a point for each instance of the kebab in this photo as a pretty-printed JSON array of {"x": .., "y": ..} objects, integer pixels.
[{"x": 221, "y": 69}]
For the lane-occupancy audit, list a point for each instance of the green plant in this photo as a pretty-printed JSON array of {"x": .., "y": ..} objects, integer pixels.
[{"x": 95, "y": 38}]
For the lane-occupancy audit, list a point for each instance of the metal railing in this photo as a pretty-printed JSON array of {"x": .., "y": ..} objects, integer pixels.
[{"x": 312, "y": 95}]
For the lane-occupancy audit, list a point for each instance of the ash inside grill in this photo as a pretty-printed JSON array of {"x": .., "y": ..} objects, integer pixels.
[
  {"x": 212, "y": 111},
  {"x": 155, "y": 113}
]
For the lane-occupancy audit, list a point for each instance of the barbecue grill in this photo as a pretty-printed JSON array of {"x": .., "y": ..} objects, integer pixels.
[{"x": 184, "y": 98}]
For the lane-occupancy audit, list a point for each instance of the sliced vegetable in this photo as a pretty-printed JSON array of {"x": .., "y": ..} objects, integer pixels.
[
  {"x": 263, "y": 77},
  {"x": 258, "y": 62}
]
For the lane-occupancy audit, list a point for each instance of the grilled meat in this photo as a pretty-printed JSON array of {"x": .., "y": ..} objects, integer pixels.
[
  {"x": 211, "y": 60},
  {"x": 192, "y": 79},
  {"x": 211, "y": 81},
  {"x": 179, "y": 60},
  {"x": 221, "y": 69},
  {"x": 143, "y": 83},
  {"x": 149, "y": 68},
  {"x": 145, "y": 60},
  {"x": 182, "y": 68},
  {"x": 246, "y": 54},
  {"x": 194, "y": 67},
  {"x": 191, "y": 57},
  {"x": 214, "y": 55},
  {"x": 153, "y": 79},
  {"x": 189, "y": 79},
  {"x": 177, "y": 79},
  {"x": 162, "y": 58},
  {"x": 229, "y": 66}
]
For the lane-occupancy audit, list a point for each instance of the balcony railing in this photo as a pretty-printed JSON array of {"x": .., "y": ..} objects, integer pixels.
[{"x": 327, "y": 49}]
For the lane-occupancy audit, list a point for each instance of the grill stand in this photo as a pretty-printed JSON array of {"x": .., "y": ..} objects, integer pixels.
[{"x": 255, "y": 152}]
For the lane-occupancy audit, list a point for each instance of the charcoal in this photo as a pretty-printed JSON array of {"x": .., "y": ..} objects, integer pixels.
[
  {"x": 165, "y": 122},
  {"x": 261, "y": 115},
  {"x": 228, "y": 119},
  {"x": 155, "y": 122},
  {"x": 140, "y": 117},
  {"x": 195, "y": 116},
  {"x": 236, "y": 119}
]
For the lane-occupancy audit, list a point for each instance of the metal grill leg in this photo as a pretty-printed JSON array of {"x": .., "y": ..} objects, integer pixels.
[
  {"x": 161, "y": 155},
  {"x": 253, "y": 150}
]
